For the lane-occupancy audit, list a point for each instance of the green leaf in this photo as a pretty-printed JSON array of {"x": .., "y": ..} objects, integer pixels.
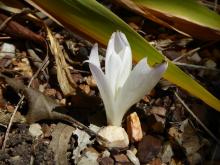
[
  {"x": 186, "y": 16},
  {"x": 98, "y": 23}
]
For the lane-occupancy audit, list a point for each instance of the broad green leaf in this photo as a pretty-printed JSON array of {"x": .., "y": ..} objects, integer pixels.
[
  {"x": 187, "y": 16},
  {"x": 97, "y": 23}
]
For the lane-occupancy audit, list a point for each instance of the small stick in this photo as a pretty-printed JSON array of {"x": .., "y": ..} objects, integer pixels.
[
  {"x": 195, "y": 66},
  {"x": 197, "y": 119},
  {"x": 186, "y": 54},
  {"x": 216, "y": 5}
]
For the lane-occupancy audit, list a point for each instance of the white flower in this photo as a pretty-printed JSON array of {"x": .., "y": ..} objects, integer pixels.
[{"x": 120, "y": 87}]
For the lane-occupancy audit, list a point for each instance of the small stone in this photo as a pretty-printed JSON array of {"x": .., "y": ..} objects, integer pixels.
[
  {"x": 7, "y": 50},
  {"x": 132, "y": 157},
  {"x": 156, "y": 161},
  {"x": 116, "y": 136},
  {"x": 195, "y": 158},
  {"x": 156, "y": 123},
  {"x": 210, "y": 64},
  {"x": 91, "y": 81},
  {"x": 35, "y": 130},
  {"x": 161, "y": 111},
  {"x": 195, "y": 57},
  {"x": 85, "y": 88},
  {"x": 106, "y": 161},
  {"x": 90, "y": 157},
  {"x": 106, "y": 153},
  {"x": 148, "y": 148},
  {"x": 167, "y": 153},
  {"x": 121, "y": 158},
  {"x": 135, "y": 133}
]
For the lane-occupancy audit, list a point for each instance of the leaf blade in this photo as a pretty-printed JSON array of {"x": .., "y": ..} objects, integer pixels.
[{"x": 98, "y": 23}]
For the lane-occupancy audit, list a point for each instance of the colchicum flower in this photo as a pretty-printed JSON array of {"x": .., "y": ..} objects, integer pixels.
[{"x": 120, "y": 86}]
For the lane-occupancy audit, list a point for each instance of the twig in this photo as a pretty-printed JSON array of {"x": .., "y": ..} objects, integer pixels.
[
  {"x": 186, "y": 54},
  {"x": 215, "y": 5},
  {"x": 197, "y": 119},
  {"x": 20, "y": 102},
  {"x": 195, "y": 66},
  {"x": 214, "y": 154},
  {"x": 22, "y": 12},
  {"x": 5, "y": 38}
]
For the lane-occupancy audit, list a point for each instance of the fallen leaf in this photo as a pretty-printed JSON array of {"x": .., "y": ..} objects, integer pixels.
[
  {"x": 40, "y": 106},
  {"x": 5, "y": 117},
  {"x": 190, "y": 140},
  {"x": 23, "y": 66},
  {"x": 59, "y": 144},
  {"x": 67, "y": 84}
]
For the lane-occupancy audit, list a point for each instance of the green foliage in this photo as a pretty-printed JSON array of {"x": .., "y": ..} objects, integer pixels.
[{"x": 97, "y": 23}]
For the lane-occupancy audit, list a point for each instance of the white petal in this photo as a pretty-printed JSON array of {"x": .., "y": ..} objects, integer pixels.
[
  {"x": 120, "y": 41},
  {"x": 140, "y": 82},
  {"x": 112, "y": 71},
  {"x": 126, "y": 66},
  {"x": 116, "y": 44},
  {"x": 110, "y": 48},
  {"x": 104, "y": 89},
  {"x": 94, "y": 56}
]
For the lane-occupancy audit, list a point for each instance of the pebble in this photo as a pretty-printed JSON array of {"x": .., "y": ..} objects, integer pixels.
[
  {"x": 35, "y": 130},
  {"x": 148, "y": 148},
  {"x": 134, "y": 130},
  {"x": 106, "y": 161},
  {"x": 116, "y": 136}
]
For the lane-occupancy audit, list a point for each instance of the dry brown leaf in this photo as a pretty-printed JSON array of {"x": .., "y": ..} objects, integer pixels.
[
  {"x": 147, "y": 14},
  {"x": 182, "y": 24},
  {"x": 67, "y": 84},
  {"x": 40, "y": 106},
  {"x": 59, "y": 143}
]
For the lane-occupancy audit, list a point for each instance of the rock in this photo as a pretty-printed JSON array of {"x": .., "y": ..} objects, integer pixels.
[
  {"x": 106, "y": 161},
  {"x": 156, "y": 161},
  {"x": 148, "y": 148},
  {"x": 156, "y": 123},
  {"x": 135, "y": 133},
  {"x": 161, "y": 111},
  {"x": 35, "y": 130},
  {"x": 167, "y": 153},
  {"x": 121, "y": 158},
  {"x": 132, "y": 157},
  {"x": 106, "y": 153},
  {"x": 116, "y": 136},
  {"x": 210, "y": 64},
  {"x": 195, "y": 158},
  {"x": 7, "y": 50},
  {"x": 90, "y": 157},
  {"x": 195, "y": 57}
]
